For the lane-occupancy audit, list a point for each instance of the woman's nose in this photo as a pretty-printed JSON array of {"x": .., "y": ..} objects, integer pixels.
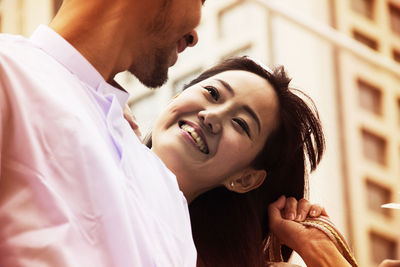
[
  {"x": 210, "y": 120},
  {"x": 191, "y": 38}
]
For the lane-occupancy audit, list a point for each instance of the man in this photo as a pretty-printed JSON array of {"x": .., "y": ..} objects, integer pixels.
[{"x": 77, "y": 188}]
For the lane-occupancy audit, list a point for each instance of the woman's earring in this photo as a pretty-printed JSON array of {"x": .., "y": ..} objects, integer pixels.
[
  {"x": 232, "y": 184},
  {"x": 176, "y": 95}
]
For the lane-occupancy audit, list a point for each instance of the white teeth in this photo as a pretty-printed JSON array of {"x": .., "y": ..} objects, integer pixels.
[{"x": 195, "y": 137}]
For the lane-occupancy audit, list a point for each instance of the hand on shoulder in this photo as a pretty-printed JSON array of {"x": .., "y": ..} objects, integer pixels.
[{"x": 128, "y": 115}]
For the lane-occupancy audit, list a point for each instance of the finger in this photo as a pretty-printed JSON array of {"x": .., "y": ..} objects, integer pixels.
[
  {"x": 132, "y": 121},
  {"x": 277, "y": 224},
  {"x": 138, "y": 133},
  {"x": 317, "y": 210},
  {"x": 324, "y": 213},
  {"x": 290, "y": 208},
  {"x": 303, "y": 208},
  {"x": 274, "y": 209},
  {"x": 128, "y": 115},
  {"x": 133, "y": 118}
]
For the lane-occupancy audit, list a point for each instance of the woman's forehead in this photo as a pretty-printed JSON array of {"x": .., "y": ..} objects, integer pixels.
[
  {"x": 240, "y": 78},
  {"x": 244, "y": 83}
]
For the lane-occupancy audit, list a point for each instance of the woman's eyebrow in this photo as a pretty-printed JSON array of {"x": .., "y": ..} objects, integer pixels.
[
  {"x": 227, "y": 86},
  {"x": 253, "y": 115},
  {"x": 247, "y": 108}
]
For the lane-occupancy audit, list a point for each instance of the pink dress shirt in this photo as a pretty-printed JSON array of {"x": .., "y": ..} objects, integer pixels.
[{"x": 77, "y": 188}]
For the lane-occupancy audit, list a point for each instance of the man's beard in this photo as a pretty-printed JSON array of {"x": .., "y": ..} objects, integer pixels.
[{"x": 152, "y": 71}]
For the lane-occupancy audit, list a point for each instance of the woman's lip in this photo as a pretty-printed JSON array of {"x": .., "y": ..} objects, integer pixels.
[{"x": 199, "y": 131}]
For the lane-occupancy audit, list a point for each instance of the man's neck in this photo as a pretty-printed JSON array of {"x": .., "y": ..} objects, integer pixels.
[{"x": 97, "y": 32}]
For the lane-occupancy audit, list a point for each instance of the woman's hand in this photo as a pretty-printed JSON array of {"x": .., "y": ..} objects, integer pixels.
[
  {"x": 311, "y": 244},
  {"x": 128, "y": 115},
  {"x": 299, "y": 210},
  {"x": 285, "y": 215}
]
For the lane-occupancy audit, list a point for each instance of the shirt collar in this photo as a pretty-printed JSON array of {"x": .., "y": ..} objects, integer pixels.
[{"x": 57, "y": 47}]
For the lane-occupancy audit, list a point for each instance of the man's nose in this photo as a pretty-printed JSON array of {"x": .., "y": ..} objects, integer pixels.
[{"x": 191, "y": 38}]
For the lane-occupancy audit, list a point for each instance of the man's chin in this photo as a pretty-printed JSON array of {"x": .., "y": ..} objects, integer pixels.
[{"x": 154, "y": 80}]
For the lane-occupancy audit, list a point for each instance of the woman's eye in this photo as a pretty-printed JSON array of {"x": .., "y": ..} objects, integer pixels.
[
  {"x": 243, "y": 125},
  {"x": 213, "y": 92}
]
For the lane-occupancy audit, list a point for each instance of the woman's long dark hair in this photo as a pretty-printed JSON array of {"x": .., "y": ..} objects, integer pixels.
[{"x": 230, "y": 229}]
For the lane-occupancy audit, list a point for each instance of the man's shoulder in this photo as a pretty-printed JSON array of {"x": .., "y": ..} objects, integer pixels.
[
  {"x": 11, "y": 37},
  {"x": 10, "y": 40},
  {"x": 14, "y": 48},
  {"x": 20, "y": 56}
]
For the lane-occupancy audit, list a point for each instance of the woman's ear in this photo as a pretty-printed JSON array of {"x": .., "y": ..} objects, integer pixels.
[{"x": 249, "y": 180}]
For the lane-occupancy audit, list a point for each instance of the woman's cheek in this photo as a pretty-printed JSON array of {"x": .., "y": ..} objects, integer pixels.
[{"x": 234, "y": 146}]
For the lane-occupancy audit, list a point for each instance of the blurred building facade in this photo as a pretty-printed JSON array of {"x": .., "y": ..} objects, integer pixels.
[
  {"x": 345, "y": 54},
  {"x": 23, "y": 16}
]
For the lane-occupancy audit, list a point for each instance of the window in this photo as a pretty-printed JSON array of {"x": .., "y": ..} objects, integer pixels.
[
  {"x": 234, "y": 19},
  {"x": 374, "y": 147},
  {"x": 371, "y": 43},
  {"x": 230, "y": 20},
  {"x": 363, "y": 7},
  {"x": 396, "y": 56},
  {"x": 370, "y": 97},
  {"x": 378, "y": 195},
  {"x": 394, "y": 12},
  {"x": 381, "y": 248}
]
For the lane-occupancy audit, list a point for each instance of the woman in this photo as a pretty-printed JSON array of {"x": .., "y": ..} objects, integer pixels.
[{"x": 237, "y": 139}]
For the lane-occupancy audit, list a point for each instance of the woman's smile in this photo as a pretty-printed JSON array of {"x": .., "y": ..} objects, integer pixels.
[{"x": 194, "y": 134}]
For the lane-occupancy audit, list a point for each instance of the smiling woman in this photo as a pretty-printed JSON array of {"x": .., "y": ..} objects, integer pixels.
[
  {"x": 237, "y": 138},
  {"x": 212, "y": 132}
]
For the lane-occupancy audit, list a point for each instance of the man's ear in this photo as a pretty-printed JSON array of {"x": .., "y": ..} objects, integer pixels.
[{"x": 249, "y": 180}]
